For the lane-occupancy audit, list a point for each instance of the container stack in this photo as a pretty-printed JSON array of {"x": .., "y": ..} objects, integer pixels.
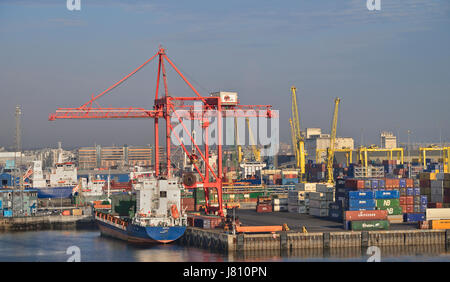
[
  {"x": 320, "y": 200},
  {"x": 366, "y": 220},
  {"x": 388, "y": 200},
  {"x": 289, "y": 177},
  {"x": 298, "y": 200},
  {"x": 279, "y": 203},
  {"x": 437, "y": 219}
]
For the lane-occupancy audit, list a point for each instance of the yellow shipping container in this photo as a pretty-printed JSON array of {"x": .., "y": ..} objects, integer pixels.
[
  {"x": 440, "y": 224},
  {"x": 432, "y": 175},
  {"x": 77, "y": 212}
]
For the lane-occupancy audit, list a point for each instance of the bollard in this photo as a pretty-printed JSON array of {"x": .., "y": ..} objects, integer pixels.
[
  {"x": 326, "y": 240},
  {"x": 364, "y": 239}
]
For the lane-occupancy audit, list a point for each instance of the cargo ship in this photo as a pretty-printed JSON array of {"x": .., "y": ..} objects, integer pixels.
[
  {"x": 159, "y": 218},
  {"x": 58, "y": 183}
]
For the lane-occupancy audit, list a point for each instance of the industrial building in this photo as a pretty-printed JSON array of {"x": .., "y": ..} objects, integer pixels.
[
  {"x": 115, "y": 157},
  {"x": 315, "y": 140}
]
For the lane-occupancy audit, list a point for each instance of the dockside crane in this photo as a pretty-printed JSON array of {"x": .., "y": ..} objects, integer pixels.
[
  {"x": 330, "y": 155},
  {"x": 297, "y": 139},
  {"x": 256, "y": 152},
  {"x": 176, "y": 111}
]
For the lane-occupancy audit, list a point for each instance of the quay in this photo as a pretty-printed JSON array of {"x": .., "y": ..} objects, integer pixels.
[
  {"x": 47, "y": 222},
  {"x": 323, "y": 235}
]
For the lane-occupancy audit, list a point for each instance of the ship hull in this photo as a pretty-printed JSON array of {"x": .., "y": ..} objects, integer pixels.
[
  {"x": 54, "y": 192},
  {"x": 139, "y": 234}
]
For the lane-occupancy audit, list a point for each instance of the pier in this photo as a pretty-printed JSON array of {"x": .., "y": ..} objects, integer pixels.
[{"x": 48, "y": 222}]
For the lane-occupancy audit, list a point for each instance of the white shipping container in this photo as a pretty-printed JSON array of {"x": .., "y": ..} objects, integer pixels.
[
  {"x": 438, "y": 214},
  {"x": 283, "y": 201},
  {"x": 317, "y": 196},
  {"x": 280, "y": 208},
  {"x": 309, "y": 187},
  {"x": 226, "y": 98},
  {"x": 319, "y": 204},
  {"x": 395, "y": 218},
  {"x": 297, "y": 209},
  {"x": 299, "y": 195},
  {"x": 318, "y": 212},
  {"x": 324, "y": 188}
]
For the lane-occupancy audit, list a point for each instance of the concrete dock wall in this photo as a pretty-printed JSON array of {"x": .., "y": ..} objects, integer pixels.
[
  {"x": 289, "y": 241},
  {"x": 46, "y": 222}
]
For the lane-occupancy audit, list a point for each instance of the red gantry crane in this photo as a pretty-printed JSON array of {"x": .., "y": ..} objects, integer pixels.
[{"x": 167, "y": 107}]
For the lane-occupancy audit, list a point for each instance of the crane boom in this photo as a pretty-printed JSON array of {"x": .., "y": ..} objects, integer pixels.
[
  {"x": 255, "y": 150},
  {"x": 330, "y": 157},
  {"x": 299, "y": 142}
]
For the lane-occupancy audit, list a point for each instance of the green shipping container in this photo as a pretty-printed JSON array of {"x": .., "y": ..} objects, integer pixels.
[
  {"x": 385, "y": 203},
  {"x": 366, "y": 225},
  {"x": 393, "y": 210}
]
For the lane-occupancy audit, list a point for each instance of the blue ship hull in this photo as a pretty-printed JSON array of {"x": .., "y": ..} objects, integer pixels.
[
  {"x": 54, "y": 192},
  {"x": 139, "y": 234}
]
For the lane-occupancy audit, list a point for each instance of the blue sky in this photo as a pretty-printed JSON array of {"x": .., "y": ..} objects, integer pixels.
[{"x": 390, "y": 67}]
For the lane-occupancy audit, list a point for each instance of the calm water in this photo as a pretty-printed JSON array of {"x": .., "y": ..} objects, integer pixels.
[{"x": 52, "y": 246}]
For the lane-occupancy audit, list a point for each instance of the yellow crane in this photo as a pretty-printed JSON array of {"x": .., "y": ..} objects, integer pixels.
[
  {"x": 445, "y": 150},
  {"x": 297, "y": 139},
  {"x": 330, "y": 155},
  {"x": 239, "y": 153},
  {"x": 363, "y": 153},
  {"x": 256, "y": 151}
]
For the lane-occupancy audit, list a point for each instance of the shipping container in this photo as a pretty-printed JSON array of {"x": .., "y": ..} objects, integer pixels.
[
  {"x": 362, "y": 203},
  {"x": 366, "y": 215},
  {"x": 437, "y": 213},
  {"x": 384, "y": 203},
  {"x": 413, "y": 217},
  {"x": 383, "y": 194},
  {"x": 356, "y": 195},
  {"x": 370, "y": 225},
  {"x": 440, "y": 224}
]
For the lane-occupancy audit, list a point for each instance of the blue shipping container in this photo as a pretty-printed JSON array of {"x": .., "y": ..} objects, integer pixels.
[
  {"x": 1, "y": 207},
  {"x": 7, "y": 213},
  {"x": 387, "y": 194},
  {"x": 370, "y": 203},
  {"x": 423, "y": 200},
  {"x": 413, "y": 217},
  {"x": 409, "y": 192},
  {"x": 402, "y": 183},
  {"x": 416, "y": 191},
  {"x": 355, "y": 195},
  {"x": 381, "y": 183},
  {"x": 374, "y": 183}
]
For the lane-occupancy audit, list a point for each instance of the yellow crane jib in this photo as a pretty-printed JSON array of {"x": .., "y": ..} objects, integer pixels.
[
  {"x": 298, "y": 142},
  {"x": 255, "y": 150},
  {"x": 330, "y": 156}
]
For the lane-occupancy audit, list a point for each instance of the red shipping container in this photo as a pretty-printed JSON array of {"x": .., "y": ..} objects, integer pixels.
[
  {"x": 264, "y": 208},
  {"x": 402, "y": 200},
  {"x": 366, "y": 215},
  {"x": 389, "y": 188},
  {"x": 395, "y": 183},
  {"x": 388, "y": 182},
  {"x": 404, "y": 209},
  {"x": 409, "y": 209},
  {"x": 434, "y": 205},
  {"x": 360, "y": 184},
  {"x": 409, "y": 183},
  {"x": 410, "y": 200}
]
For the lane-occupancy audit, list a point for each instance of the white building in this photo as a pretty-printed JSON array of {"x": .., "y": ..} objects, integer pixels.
[
  {"x": 388, "y": 140},
  {"x": 319, "y": 141}
]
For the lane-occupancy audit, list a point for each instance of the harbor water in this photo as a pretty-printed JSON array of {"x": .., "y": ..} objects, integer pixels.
[{"x": 58, "y": 245}]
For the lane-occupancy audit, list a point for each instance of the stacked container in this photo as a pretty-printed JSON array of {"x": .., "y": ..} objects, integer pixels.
[
  {"x": 320, "y": 200},
  {"x": 298, "y": 200},
  {"x": 389, "y": 200},
  {"x": 279, "y": 203}
]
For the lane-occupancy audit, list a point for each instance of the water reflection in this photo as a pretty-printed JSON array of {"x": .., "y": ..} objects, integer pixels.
[{"x": 52, "y": 246}]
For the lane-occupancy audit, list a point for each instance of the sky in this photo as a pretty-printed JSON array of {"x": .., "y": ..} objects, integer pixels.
[{"x": 391, "y": 68}]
